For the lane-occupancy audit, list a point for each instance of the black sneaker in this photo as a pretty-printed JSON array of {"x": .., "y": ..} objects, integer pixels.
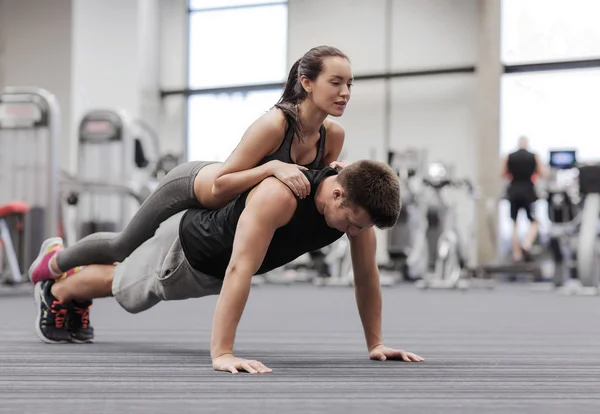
[
  {"x": 79, "y": 322},
  {"x": 51, "y": 322}
]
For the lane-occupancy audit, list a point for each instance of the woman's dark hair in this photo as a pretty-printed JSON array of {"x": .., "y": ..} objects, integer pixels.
[{"x": 309, "y": 65}]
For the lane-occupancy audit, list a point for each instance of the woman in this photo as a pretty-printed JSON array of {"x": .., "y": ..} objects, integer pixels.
[{"x": 293, "y": 136}]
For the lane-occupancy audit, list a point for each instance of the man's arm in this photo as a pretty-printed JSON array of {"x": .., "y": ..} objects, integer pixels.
[
  {"x": 367, "y": 288},
  {"x": 269, "y": 206},
  {"x": 363, "y": 248},
  {"x": 504, "y": 169},
  {"x": 540, "y": 169}
]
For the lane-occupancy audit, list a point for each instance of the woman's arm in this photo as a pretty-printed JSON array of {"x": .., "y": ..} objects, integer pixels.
[
  {"x": 504, "y": 173},
  {"x": 240, "y": 171}
]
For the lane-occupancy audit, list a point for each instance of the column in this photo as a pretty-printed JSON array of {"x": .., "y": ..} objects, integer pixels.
[{"x": 489, "y": 72}]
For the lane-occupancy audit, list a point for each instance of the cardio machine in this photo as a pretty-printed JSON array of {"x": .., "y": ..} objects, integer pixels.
[
  {"x": 588, "y": 243},
  {"x": 562, "y": 196},
  {"x": 504, "y": 264},
  {"x": 574, "y": 212},
  {"x": 117, "y": 157},
  {"x": 406, "y": 240},
  {"x": 29, "y": 138},
  {"x": 449, "y": 262}
]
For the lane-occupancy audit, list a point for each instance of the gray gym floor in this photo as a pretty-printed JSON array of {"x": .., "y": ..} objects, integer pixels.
[{"x": 509, "y": 350}]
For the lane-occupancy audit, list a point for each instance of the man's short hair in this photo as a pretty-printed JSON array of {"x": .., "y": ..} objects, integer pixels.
[{"x": 373, "y": 186}]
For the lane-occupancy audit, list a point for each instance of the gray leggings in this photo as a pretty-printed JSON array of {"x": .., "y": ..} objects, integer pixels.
[{"x": 175, "y": 193}]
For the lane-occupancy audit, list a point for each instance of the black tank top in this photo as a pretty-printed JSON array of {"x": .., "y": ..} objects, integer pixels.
[
  {"x": 284, "y": 152},
  {"x": 207, "y": 235},
  {"x": 521, "y": 165}
]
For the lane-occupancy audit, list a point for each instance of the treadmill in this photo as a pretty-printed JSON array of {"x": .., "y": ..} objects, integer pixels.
[{"x": 559, "y": 160}]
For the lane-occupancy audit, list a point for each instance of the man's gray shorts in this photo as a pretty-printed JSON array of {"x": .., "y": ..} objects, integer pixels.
[{"x": 158, "y": 270}]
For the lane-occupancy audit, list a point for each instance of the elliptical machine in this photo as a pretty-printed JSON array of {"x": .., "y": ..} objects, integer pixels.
[
  {"x": 450, "y": 261},
  {"x": 406, "y": 241},
  {"x": 588, "y": 243},
  {"x": 562, "y": 195}
]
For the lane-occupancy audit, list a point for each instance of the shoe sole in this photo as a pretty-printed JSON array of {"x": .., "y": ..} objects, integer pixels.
[
  {"x": 43, "y": 250},
  {"x": 37, "y": 293},
  {"x": 79, "y": 341}
]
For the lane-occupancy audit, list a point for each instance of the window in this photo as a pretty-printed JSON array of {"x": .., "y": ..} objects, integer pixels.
[
  {"x": 217, "y": 4},
  {"x": 218, "y": 121},
  {"x": 554, "y": 110},
  {"x": 233, "y": 44},
  {"x": 238, "y": 46},
  {"x": 534, "y": 31}
]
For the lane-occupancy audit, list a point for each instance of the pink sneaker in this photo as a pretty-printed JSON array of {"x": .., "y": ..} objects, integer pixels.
[{"x": 39, "y": 269}]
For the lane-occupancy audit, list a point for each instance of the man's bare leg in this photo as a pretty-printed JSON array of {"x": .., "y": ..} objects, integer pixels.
[
  {"x": 531, "y": 236},
  {"x": 516, "y": 245},
  {"x": 92, "y": 282}
]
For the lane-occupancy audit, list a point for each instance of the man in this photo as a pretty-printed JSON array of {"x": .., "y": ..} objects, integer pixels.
[
  {"x": 520, "y": 167},
  {"x": 202, "y": 252}
]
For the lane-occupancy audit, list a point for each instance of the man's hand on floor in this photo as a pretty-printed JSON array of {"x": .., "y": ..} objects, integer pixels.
[
  {"x": 382, "y": 353},
  {"x": 233, "y": 364}
]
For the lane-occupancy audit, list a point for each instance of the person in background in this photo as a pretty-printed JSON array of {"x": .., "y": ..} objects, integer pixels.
[{"x": 522, "y": 168}]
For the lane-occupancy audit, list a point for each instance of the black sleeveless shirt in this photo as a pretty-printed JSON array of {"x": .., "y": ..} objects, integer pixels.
[
  {"x": 521, "y": 165},
  {"x": 207, "y": 235},
  {"x": 284, "y": 152}
]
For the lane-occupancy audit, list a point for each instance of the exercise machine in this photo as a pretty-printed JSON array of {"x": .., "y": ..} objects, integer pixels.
[
  {"x": 117, "y": 158},
  {"x": 588, "y": 243},
  {"x": 406, "y": 241},
  {"x": 562, "y": 195},
  {"x": 12, "y": 216},
  {"x": 504, "y": 265},
  {"x": 450, "y": 262},
  {"x": 329, "y": 266},
  {"x": 338, "y": 262},
  {"x": 29, "y": 198}
]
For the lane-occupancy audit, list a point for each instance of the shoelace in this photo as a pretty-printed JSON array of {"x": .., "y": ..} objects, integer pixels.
[
  {"x": 85, "y": 316},
  {"x": 60, "y": 314}
]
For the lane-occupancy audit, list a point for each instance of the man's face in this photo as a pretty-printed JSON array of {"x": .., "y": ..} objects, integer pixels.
[{"x": 346, "y": 218}]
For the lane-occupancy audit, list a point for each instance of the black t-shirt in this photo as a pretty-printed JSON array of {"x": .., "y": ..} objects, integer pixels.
[{"x": 207, "y": 235}]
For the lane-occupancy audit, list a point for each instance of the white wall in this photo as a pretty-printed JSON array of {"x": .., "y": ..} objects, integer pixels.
[
  {"x": 104, "y": 59},
  {"x": 148, "y": 64},
  {"x": 434, "y": 33},
  {"x": 355, "y": 27},
  {"x": 437, "y": 113},
  {"x": 2, "y": 43},
  {"x": 37, "y": 52},
  {"x": 67, "y": 47},
  {"x": 364, "y": 121},
  {"x": 116, "y": 65},
  {"x": 173, "y": 73}
]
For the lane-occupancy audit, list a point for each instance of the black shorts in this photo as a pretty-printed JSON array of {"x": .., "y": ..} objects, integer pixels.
[{"x": 521, "y": 199}]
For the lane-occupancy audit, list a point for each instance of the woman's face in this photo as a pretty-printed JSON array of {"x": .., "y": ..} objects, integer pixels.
[{"x": 331, "y": 90}]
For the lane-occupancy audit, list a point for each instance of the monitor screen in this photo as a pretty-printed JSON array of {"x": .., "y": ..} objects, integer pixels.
[{"x": 564, "y": 159}]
